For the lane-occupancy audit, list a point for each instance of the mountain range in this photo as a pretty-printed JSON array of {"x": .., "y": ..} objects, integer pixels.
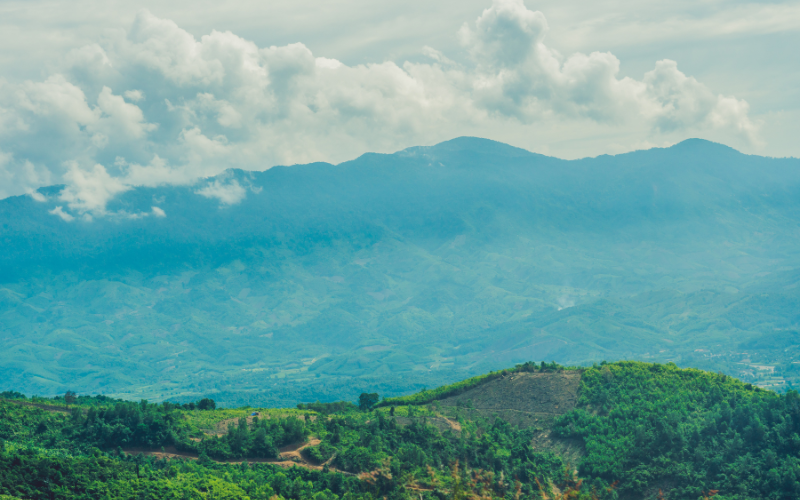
[{"x": 395, "y": 272}]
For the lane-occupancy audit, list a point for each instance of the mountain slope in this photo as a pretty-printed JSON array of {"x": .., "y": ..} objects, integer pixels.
[{"x": 398, "y": 271}]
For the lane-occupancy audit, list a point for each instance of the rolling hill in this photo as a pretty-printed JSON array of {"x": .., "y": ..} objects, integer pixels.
[{"x": 624, "y": 430}]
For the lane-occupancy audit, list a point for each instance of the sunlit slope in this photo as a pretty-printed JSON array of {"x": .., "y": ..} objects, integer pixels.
[{"x": 393, "y": 272}]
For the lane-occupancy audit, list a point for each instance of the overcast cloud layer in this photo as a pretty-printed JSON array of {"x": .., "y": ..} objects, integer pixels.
[{"x": 149, "y": 103}]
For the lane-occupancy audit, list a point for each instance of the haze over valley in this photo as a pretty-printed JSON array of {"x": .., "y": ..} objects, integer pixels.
[
  {"x": 402, "y": 271},
  {"x": 360, "y": 250}
]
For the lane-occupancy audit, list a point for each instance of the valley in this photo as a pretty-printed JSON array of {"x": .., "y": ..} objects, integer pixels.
[{"x": 392, "y": 273}]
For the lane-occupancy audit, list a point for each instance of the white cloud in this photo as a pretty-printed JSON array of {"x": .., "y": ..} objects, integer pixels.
[
  {"x": 121, "y": 118},
  {"x": 221, "y": 101},
  {"x": 507, "y": 34},
  {"x": 157, "y": 172},
  {"x": 160, "y": 45},
  {"x": 89, "y": 58},
  {"x": 89, "y": 190},
  {"x": 520, "y": 76},
  {"x": 678, "y": 100},
  {"x": 664, "y": 23},
  {"x": 24, "y": 176},
  {"x": 37, "y": 196},
  {"x": 228, "y": 193},
  {"x": 133, "y": 95},
  {"x": 57, "y": 100},
  {"x": 58, "y": 211}
]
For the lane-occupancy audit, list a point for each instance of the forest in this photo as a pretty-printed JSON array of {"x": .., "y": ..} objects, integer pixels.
[{"x": 640, "y": 430}]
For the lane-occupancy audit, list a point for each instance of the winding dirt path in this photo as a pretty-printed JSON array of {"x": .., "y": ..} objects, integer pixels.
[
  {"x": 290, "y": 456},
  {"x": 293, "y": 450},
  {"x": 453, "y": 424}
]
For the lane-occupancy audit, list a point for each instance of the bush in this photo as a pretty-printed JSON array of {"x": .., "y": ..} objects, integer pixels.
[
  {"x": 206, "y": 404},
  {"x": 321, "y": 453}
]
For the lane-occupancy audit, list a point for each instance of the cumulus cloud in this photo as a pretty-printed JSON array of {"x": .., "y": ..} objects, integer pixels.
[
  {"x": 155, "y": 105},
  {"x": 21, "y": 177},
  {"x": 121, "y": 118},
  {"x": 59, "y": 212},
  {"x": 228, "y": 193},
  {"x": 89, "y": 190},
  {"x": 678, "y": 100},
  {"x": 37, "y": 196}
]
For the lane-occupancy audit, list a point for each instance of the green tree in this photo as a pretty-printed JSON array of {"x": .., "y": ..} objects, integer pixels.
[
  {"x": 367, "y": 400},
  {"x": 70, "y": 398},
  {"x": 206, "y": 404}
]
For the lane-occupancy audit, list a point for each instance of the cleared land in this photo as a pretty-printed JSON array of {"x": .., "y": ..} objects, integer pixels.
[
  {"x": 527, "y": 400},
  {"x": 531, "y": 393}
]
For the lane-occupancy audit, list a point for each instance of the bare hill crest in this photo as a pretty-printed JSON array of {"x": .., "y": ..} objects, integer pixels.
[{"x": 533, "y": 393}]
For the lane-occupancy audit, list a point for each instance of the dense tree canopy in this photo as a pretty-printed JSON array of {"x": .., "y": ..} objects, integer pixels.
[
  {"x": 645, "y": 429},
  {"x": 653, "y": 426}
]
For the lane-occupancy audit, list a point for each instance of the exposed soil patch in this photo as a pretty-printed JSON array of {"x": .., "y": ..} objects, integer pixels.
[
  {"x": 526, "y": 400},
  {"x": 293, "y": 450},
  {"x": 455, "y": 426},
  {"x": 169, "y": 452},
  {"x": 532, "y": 393}
]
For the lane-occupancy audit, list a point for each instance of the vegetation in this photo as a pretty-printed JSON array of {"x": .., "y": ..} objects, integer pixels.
[
  {"x": 386, "y": 275},
  {"x": 328, "y": 408},
  {"x": 260, "y": 439},
  {"x": 91, "y": 452},
  {"x": 216, "y": 422},
  {"x": 367, "y": 400},
  {"x": 27, "y": 474},
  {"x": 652, "y": 427},
  {"x": 647, "y": 431},
  {"x": 143, "y": 425}
]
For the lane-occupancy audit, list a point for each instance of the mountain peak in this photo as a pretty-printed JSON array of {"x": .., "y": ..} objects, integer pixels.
[
  {"x": 468, "y": 144},
  {"x": 696, "y": 145}
]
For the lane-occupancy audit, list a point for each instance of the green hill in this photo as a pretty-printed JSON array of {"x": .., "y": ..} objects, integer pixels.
[{"x": 624, "y": 430}]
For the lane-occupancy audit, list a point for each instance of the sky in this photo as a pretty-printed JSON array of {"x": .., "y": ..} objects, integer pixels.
[{"x": 105, "y": 96}]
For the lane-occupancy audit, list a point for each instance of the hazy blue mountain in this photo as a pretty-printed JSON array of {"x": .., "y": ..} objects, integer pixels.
[{"x": 395, "y": 271}]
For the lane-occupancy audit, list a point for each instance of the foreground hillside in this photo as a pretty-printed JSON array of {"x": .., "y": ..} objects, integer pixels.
[
  {"x": 621, "y": 430},
  {"x": 437, "y": 263}
]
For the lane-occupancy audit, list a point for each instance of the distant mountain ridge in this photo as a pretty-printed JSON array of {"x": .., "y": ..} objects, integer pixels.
[
  {"x": 25, "y": 218},
  {"x": 401, "y": 270}
]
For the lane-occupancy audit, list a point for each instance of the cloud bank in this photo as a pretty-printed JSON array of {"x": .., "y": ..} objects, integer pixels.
[{"x": 152, "y": 105}]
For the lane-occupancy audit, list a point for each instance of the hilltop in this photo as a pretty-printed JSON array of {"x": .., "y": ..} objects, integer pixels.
[
  {"x": 624, "y": 430},
  {"x": 394, "y": 272}
]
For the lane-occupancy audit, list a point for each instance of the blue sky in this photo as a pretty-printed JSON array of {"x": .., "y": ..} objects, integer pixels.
[{"x": 103, "y": 96}]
